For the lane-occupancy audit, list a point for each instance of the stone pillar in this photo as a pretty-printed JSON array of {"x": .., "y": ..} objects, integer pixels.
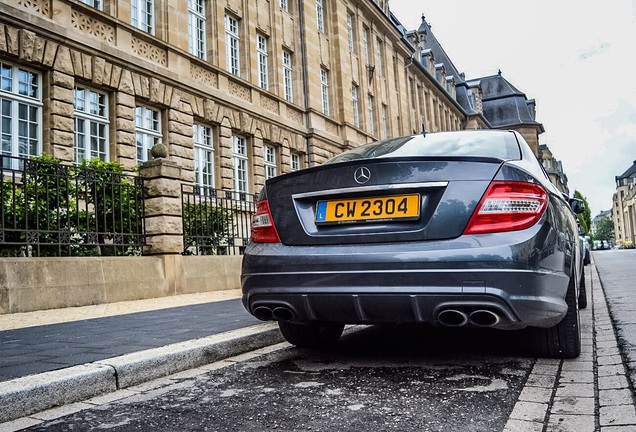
[
  {"x": 60, "y": 133},
  {"x": 124, "y": 147},
  {"x": 225, "y": 156},
  {"x": 162, "y": 204}
]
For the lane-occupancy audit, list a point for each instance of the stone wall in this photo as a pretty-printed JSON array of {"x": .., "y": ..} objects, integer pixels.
[{"x": 30, "y": 284}]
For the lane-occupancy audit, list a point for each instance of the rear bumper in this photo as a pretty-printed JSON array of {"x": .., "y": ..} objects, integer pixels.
[{"x": 372, "y": 284}]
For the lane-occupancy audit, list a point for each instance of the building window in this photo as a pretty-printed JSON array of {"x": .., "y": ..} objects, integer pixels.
[
  {"x": 320, "y": 12},
  {"x": 378, "y": 66},
  {"x": 412, "y": 91},
  {"x": 203, "y": 155},
  {"x": 269, "y": 155},
  {"x": 295, "y": 161},
  {"x": 385, "y": 126},
  {"x": 91, "y": 125},
  {"x": 371, "y": 123},
  {"x": 449, "y": 84},
  {"x": 350, "y": 32},
  {"x": 21, "y": 113},
  {"x": 284, "y": 5},
  {"x": 471, "y": 99},
  {"x": 287, "y": 76},
  {"x": 365, "y": 45},
  {"x": 142, "y": 14},
  {"x": 97, "y": 4},
  {"x": 232, "y": 45},
  {"x": 424, "y": 60},
  {"x": 438, "y": 75},
  {"x": 239, "y": 163},
  {"x": 324, "y": 83},
  {"x": 356, "y": 111},
  {"x": 261, "y": 60},
  {"x": 196, "y": 27},
  {"x": 147, "y": 131}
]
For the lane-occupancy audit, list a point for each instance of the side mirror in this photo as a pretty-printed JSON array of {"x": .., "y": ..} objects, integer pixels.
[{"x": 576, "y": 205}]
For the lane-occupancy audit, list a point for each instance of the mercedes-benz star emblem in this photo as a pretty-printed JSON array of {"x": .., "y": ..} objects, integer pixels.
[{"x": 362, "y": 175}]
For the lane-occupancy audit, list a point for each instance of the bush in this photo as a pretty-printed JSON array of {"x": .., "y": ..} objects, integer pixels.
[
  {"x": 206, "y": 228},
  {"x": 61, "y": 210}
]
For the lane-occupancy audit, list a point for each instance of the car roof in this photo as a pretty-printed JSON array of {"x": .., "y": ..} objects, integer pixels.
[{"x": 502, "y": 145}]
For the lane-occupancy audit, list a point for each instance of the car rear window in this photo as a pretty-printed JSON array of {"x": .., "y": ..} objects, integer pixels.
[{"x": 500, "y": 145}]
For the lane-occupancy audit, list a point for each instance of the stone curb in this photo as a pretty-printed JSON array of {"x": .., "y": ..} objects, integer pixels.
[{"x": 27, "y": 395}]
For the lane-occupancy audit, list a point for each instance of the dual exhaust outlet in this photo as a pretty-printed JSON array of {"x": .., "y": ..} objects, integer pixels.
[
  {"x": 478, "y": 318},
  {"x": 448, "y": 317},
  {"x": 278, "y": 313}
]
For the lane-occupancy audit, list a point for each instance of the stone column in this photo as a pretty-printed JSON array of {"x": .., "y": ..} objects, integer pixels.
[
  {"x": 225, "y": 156},
  {"x": 162, "y": 204},
  {"x": 60, "y": 132}
]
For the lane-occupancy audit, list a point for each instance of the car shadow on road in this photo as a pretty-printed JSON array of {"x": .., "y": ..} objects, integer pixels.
[{"x": 427, "y": 341}]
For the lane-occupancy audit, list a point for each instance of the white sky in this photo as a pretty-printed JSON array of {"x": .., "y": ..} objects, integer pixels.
[{"x": 575, "y": 58}]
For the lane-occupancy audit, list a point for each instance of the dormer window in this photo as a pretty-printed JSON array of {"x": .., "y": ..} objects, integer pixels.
[
  {"x": 450, "y": 85},
  {"x": 471, "y": 98},
  {"x": 426, "y": 58},
  {"x": 440, "y": 73}
]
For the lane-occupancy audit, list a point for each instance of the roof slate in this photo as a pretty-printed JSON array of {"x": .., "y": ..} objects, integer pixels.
[
  {"x": 631, "y": 172},
  {"x": 504, "y": 106}
]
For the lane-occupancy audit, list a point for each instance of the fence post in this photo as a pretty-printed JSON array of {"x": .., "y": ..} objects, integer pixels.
[{"x": 162, "y": 205}]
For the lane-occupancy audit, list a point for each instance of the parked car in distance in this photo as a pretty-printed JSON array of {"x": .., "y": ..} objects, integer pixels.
[
  {"x": 454, "y": 229},
  {"x": 628, "y": 244},
  {"x": 585, "y": 243},
  {"x": 601, "y": 245}
]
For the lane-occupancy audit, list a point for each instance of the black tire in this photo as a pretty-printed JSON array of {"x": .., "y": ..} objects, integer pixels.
[
  {"x": 564, "y": 339},
  {"x": 582, "y": 292},
  {"x": 314, "y": 335}
]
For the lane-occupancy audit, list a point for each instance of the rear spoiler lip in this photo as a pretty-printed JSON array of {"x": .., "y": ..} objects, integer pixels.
[
  {"x": 400, "y": 186},
  {"x": 360, "y": 161}
]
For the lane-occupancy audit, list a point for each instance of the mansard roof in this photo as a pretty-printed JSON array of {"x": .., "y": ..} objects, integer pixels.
[
  {"x": 441, "y": 57},
  {"x": 504, "y": 105},
  {"x": 631, "y": 172}
]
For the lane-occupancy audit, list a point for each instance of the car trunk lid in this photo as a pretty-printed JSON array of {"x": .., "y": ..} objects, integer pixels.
[{"x": 379, "y": 200}]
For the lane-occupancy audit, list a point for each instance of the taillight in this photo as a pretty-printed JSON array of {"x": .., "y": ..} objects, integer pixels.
[
  {"x": 508, "y": 206},
  {"x": 263, "y": 229}
]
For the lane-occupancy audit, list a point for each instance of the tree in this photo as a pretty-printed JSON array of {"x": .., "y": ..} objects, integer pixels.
[
  {"x": 604, "y": 230},
  {"x": 585, "y": 218}
]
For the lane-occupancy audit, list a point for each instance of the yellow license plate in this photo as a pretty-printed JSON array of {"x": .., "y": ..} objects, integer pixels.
[{"x": 384, "y": 208}]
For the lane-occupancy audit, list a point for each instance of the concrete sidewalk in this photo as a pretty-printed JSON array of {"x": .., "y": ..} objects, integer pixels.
[{"x": 50, "y": 358}]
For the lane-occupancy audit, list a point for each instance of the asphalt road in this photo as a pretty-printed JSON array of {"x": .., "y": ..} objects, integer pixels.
[
  {"x": 617, "y": 270},
  {"x": 380, "y": 379}
]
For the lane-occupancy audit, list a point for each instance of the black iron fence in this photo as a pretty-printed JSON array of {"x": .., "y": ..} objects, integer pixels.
[
  {"x": 215, "y": 222},
  {"x": 52, "y": 209}
]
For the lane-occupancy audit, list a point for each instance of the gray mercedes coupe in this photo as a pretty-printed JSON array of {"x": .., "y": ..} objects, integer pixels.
[{"x": 451, "y": 228}]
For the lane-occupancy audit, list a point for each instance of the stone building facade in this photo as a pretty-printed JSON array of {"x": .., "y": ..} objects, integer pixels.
[
  {"x": 238, "y": 90},
  {"x": 257, "y": 88},
  {"x": 554, "y": 168},
  {"x": 624, "y": 206}
]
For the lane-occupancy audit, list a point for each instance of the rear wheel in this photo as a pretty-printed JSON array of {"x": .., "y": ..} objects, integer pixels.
[
  {"x": 314, "y": 335},
  {"x": 564, "y": 339},
  {"x": 582, "y": 292}
]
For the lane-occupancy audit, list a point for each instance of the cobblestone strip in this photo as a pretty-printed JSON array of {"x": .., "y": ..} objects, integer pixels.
[
  {"x": 589, "y": 393},
  {"x": 616, "y": 412},
  {"x": 574, "y": 405}
]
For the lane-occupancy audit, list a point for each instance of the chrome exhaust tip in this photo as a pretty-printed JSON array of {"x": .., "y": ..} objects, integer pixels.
[
  {"x": 263, "y": 313},
  {"x": 452, "y": 318},
  {"x": 484, "y": 318},
  {"x": 282, "y": 314}
]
